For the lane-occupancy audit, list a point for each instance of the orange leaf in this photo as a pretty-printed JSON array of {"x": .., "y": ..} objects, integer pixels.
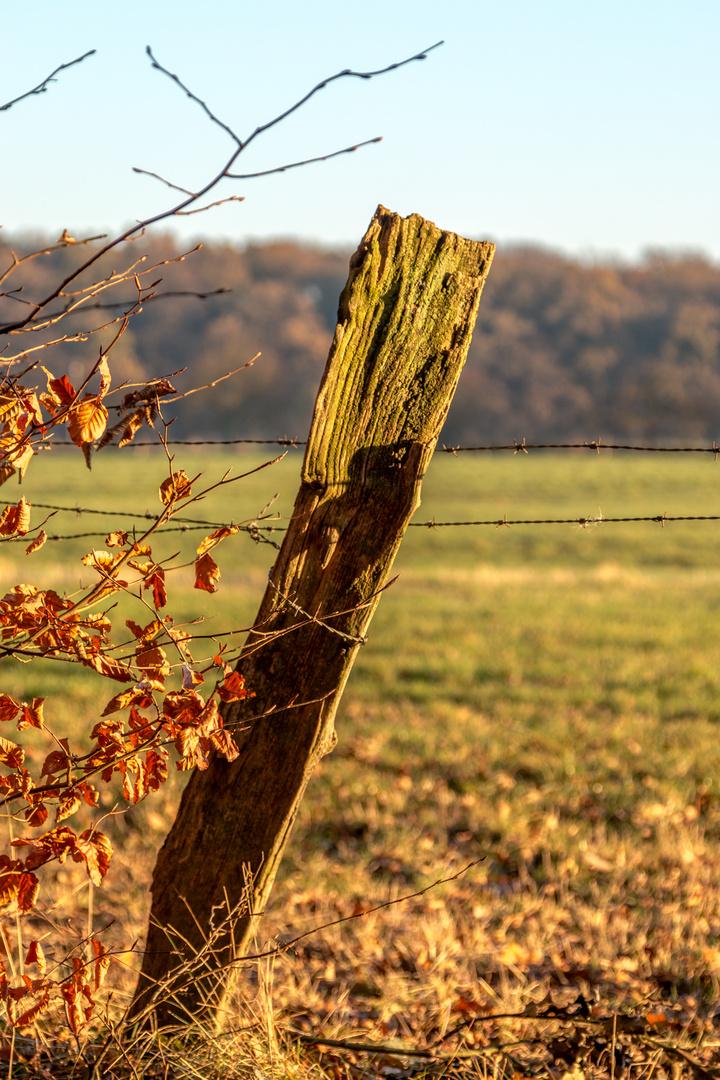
[
  {"x": 101, "y": 560},
  {"x": 104, "y": 373},
  {"x": 28, "y": 890},
  {"x": 116, "y": 539},
  {"x": 61, "y": 389},
  {"x": 95, "y": 848},
  {"x": 207, "y": 574},
  {"x": 8, "y": 707},
  {"x": 68, "y": 803},
  {"x": 110, "y": 668},
  {"x": 75, "y": 1015},
  {"x": 37, "y": 543},
  {"x": 20, "y": 459},
  {"x": 232, "y": 688},
  {"x": 176, "y": 486},
  {"x": 11, "y": 754},
  {"x": 32, "y": 715},
  {"x": 123, "y": 700},
  {"x": 214, "y": 538},
  {"x": 36, "y": 815},
  {"x": 15, "y": 519},
  {"x": 30, "y": 1015},
  {"x": 87, "y": 421},
  {"x": 102, "y": 962},
  {"x": 35, "y": 955},
  {"x": 156, "y": 582}
]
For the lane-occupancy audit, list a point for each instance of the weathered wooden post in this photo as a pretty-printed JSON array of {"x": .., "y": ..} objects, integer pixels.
[{"x": 405, "y": 321}]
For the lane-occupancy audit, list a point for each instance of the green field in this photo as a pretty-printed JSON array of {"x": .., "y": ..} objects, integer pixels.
[{"x": 544, "y": 698}]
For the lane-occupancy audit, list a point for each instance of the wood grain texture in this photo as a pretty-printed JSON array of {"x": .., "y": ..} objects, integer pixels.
[{"x": 405, "y": 321}]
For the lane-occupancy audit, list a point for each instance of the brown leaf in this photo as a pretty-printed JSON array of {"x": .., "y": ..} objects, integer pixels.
[
  {"x": 103, "y": 371},
  {"x": 191, "y": 678},
  {"x": 95, "y": 848},
  {"x": 36, "y": 815},
  {"x": 123, "y": 700},
  {"x": 35, "y": 955},
  {"x": 207, "y": 574},
  {"x": 30, "y": 1015},
  {"x": 32, "y": 715},
  {"x": 11, "y": 754},
  {"x": 176, "y": 486},
  {"x": 156, "y": 582},
  {"x": 116, "y": 539},
  {"x": 9, "y": 708},
  {"x": 232, "y": 688},
  {"x": 132, "y": 427},
  {"x": 214, "y": 538},
  {"x": 15, "y": 519},
  {"x": 68, "y": 803},
  {"x": 37, "y": 543},
  {"x": 109, "y": 667},
  {"x": 28, "y": 890},
  {"x": 87, "y": 420},
  {"x": 61, "y": 389},
  {"x": 102, "y": 962}
]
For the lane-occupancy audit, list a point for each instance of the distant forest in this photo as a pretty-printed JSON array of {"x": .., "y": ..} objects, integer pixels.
[{"x": 562, "y": 350}]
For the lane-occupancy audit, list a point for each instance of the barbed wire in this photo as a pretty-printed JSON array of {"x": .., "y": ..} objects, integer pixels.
[
  {"x": 157, "y": 443},
  {"x": 251, "y": 529},
  {"x": 137, "y": 515},
  {"x": 255, "y": 529},
  {"x": 596, "y": 445},
  {"x": 581, "y": 522}
]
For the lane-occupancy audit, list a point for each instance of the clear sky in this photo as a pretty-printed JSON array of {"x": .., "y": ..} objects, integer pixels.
[{"x": 591, "y": 126}]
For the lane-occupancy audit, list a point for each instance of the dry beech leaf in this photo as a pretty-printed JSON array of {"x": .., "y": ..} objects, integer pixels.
[
  {"x": 214, "y": 538},
  {"x": 116, "y": 539},
  {"x": 104, "y": 373},
  {"x": 35, "y": 955},
  {"x": 9, "y": 708},
  {"x": 207, "y": 574},
  {"x": 15, "y": 519},
  {"x": 87, "y": 421},
  {"x": 176, "y": 486},
  {"x": 37, "y": 543},
  {"x": 32, "y": 715},
  {"x": 191, "y": 678}
]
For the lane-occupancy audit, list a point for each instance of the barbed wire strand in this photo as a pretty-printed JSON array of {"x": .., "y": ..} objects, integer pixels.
[
  {"x": 578, "y": 522},
  {"x": 596, "y": 445},
  {"x": 582, "y": 522}
]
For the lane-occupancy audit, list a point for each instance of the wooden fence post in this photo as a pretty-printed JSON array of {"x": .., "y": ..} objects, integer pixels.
[{"x": 405, "y": 321}]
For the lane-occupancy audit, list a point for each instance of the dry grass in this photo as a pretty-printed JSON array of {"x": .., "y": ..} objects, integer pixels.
[{"x": 547, "y": 707}]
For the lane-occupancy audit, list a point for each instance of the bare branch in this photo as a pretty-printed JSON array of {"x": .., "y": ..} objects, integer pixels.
[
  {"x": 193, "y": 97},
  {"x": 42, "y": 87},
  {"x": 308, "y": 161},
  {"x": 14, "y": 327},
  {"x": 156, "y": 176},
  {"x": 202, "y": 209},
  {"x": 347, "y": 73}
]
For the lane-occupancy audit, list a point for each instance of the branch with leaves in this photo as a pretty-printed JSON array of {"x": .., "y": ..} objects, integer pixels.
[{"x": 173, "y": 679}]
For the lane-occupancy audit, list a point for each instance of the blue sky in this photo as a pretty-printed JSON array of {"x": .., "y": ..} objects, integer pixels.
[{"x": 591, "y": 126}]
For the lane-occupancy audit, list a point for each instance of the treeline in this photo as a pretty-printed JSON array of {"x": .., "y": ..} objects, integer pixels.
[{"x": 562, "y": 349}]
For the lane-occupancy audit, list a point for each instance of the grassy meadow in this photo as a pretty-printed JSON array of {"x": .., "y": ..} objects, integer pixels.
[{"x": 542, "y": 702}]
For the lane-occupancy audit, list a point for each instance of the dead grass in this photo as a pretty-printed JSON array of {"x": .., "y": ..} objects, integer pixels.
[{"x": 552, "y": 716}]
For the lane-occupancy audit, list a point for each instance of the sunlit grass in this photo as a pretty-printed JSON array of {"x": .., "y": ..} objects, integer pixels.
[{"x": 544, "y": 698}]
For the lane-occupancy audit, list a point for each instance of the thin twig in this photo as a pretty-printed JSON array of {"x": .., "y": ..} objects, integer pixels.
[{"x": 42, "y": 87}]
